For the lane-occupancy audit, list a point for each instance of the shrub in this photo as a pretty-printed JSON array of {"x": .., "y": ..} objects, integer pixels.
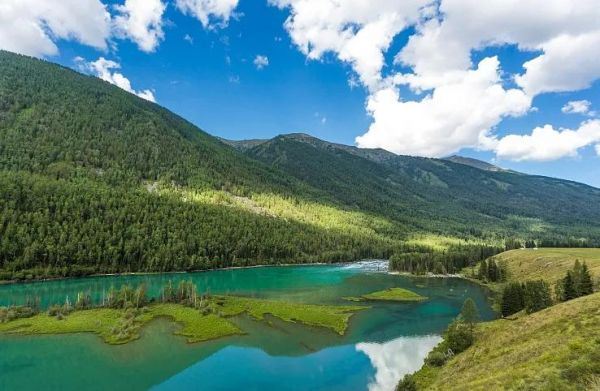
[
  {"x": 407, "y": 384},
  {"x": 436, "y": 359},
  {"x": 458, "y": 337}
]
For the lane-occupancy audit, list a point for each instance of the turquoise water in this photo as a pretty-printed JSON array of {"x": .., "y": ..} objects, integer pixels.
[{"x": 381, "y": 345}]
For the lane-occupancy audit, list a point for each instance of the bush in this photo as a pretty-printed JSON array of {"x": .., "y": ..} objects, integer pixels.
[
  {"x": 436, "y": 359},
  {"x": 407, "y": 384},
  {"x": 458, "y": 337},
  {"x": 536, "y": 296}
]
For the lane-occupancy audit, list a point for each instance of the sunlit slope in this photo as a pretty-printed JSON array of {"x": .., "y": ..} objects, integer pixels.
[
  {"x": 555, "y": 349},
  {"x": 548, "y": 264},
  {"x": 436, "y": 195}
]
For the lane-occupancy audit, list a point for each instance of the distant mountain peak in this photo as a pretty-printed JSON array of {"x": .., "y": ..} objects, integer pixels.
[{"x": 467, "y": 161}]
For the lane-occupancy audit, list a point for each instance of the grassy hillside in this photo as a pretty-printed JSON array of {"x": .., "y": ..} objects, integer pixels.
[
  {"x": 548, "y": 264},
  {"x": 555, "y": 349}
]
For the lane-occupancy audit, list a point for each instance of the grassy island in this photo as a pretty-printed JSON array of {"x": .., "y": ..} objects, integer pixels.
[
  {"x": 200, "y": 318},
  {"x": 394, "y": 294}
]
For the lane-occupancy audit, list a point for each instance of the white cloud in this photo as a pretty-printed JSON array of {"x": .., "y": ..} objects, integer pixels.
[
  {"x": 598, "y": 149},
  {"x": 189, "y": 39},
  {"x": 546, "y": 143},
  {"x": 576, "y": 107},
  {"x": 210, "y": 13},
  {"x": 261, "y": 62},
  {"x": 394, "y": 359},
  {"x": 357, "y": 31},
  {"x": 141, "y": 21},
  {"x": 33, "y": 26},
  {"x": 105, "y": 69},
  {"x": 462, "y": 106},
  {"x": 456, "y": 115},
  {"x": 569, "y": 63}
]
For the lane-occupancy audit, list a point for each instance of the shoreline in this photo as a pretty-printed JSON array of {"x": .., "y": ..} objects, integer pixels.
[{"x": 13, "y": 282}]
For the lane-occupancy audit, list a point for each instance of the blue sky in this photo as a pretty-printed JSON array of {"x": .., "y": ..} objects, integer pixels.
[{"x": 331, "y": 88}]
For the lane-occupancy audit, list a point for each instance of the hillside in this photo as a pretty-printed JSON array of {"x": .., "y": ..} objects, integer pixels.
[
  {"x": 473, "y": 163},
  {"x": 555, "y": 349},
  {"x": 437, "y": 195},
  {"x": 95, "y": 180},
  {"x": 548, "y": 264}
]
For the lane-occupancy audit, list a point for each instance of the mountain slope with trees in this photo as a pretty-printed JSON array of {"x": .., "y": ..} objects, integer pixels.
[{"x": 94, "y": 179}]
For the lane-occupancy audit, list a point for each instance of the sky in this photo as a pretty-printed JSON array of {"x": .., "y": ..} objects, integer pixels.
[{"x": 416, "y": 77}]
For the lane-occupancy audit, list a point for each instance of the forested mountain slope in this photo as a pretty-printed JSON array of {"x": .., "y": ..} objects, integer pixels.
[
  {"x": 437, "y": 195},
  {"x": 94, "y": 179}
]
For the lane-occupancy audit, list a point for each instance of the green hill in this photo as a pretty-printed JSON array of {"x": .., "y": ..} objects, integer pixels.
[
  {"x": 555, "y": 349},
  {"x": 94, "y": 179},
  {"x": 436, "y": 195}
]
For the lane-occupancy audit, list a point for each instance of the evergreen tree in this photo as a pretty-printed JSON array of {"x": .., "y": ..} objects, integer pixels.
[
  {"x": 586, "y": 285},
  {"x": 512, "y": 299},
  {"x": 568, "y": 290},
  {"x": 483, "y": 270},
  {"x": 536, "y": 296},
  {"x": 469, "y": 313}
]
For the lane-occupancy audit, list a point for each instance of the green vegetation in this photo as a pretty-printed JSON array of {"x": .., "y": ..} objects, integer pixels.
[
  {"x": 542, "y": 346},
  {"x": 122, "y": 313},
  {"x": 395, "y": 294},
  {"x": 333, "y": 317},
  {"x": 557, "y": 348},
  {"x": 84, "y": 189}
]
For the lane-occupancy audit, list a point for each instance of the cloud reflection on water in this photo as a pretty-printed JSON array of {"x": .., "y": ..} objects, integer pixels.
[{"x": 394, "y": 359}]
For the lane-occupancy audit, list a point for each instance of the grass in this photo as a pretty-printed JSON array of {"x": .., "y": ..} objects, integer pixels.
[
  {"x": 557, "y": 348},
  {"x": 332, "y": 317},
  {"x": 195, "y": 327},
  {"x": 117, "y": 326},
  {"x": 548, "y": 264},
  {"x": 394, "y": 294},
  {"x": 98, "y": 321}
]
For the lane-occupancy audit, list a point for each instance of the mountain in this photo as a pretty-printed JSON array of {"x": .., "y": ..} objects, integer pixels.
[
  {"x": 94, "y": 180},
  {"x": 435, "y": 195},
  {"x": 473, "y": 163}
]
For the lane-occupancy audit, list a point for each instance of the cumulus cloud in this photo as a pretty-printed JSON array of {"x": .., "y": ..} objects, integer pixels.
[
  {"x": 459, "y": 104},
  {"x": 357, "y": 31},
  {"x": 141, "y": 21},
  {"x": 261, "y": 62},
  {"x": 211, "y": 13},
  {"x": 33, "y": 26},
  {"x": 569, "y": 63},
  {"x": 456, "y": 115},
  {"x": 546, "y": 143},
  {"x": 105, "y": 69},
  {"x": 576, "y": 107}
]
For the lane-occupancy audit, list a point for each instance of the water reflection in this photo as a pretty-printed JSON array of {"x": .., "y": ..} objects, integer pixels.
[{"x": 394, "y": 359}]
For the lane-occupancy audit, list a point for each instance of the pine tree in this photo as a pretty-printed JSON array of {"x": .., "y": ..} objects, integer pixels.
[
  {"x": 576, "y": 275},
  {"x": 512, "y": 299},
  {"x": 586, "y": 285},
  {"x": 483, "y": 270},
  {"x": 492, "y": 271},
  {"x": 469, "y": 313},
  {"x": 569, "y": 292}
]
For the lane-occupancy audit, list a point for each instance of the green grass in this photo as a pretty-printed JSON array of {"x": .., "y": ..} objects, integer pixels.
[
  {"x": 332, "y": 317},
  {"x": 554, "y": 349},
  {"x": 114, "y": 327},
  {"x": 195, "y": 327},
  {"x": 395, "y": 294},
  {"x": 548, "y": 264},
  {"x": 98, "y": 321}
]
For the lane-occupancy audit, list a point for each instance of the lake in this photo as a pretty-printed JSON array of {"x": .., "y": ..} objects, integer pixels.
[{"x": 381, "y": 344}]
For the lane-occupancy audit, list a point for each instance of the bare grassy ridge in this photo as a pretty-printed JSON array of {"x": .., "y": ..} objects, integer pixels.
[
  {"x": 557, "y": 348},
  {"x": 548, "y": 264}
]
